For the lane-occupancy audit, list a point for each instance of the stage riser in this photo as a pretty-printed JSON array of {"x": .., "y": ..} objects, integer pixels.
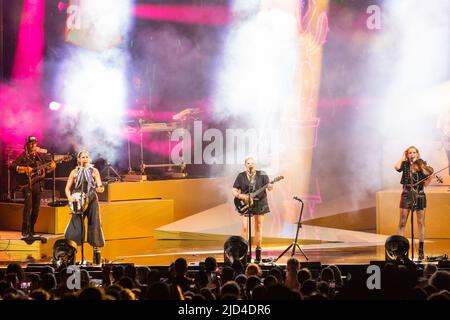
[
  {"x": 190, "y": 195},
  {"x": 437, "y": 214},
  {"x": 51, "y": 220},
  {"x": 135, "y": 219},
  {"x": 120, "y": 220},
  {"x": 18, "y": 245},
  {"x": 359, "y": 220}
]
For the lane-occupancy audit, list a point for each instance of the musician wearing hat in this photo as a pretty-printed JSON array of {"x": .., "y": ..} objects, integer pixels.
[{"x": 31, "y": 168}]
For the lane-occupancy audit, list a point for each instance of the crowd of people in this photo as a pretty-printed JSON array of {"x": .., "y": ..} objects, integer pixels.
[{"x": 213, "y": 282}]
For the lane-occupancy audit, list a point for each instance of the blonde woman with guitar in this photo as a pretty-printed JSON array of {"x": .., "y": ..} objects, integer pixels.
[{"x": 250, "y": 198}]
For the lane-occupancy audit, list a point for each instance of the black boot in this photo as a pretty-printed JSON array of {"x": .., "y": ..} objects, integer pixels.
[
  {"x": 25, "y": 230},
  {"x": 258, "y": 255},
  {"x": 96, "y": 256},
  {"x": 421, "y": 256}
]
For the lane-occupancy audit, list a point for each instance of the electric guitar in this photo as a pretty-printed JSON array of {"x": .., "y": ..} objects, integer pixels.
[
  {"x": 242, "y": 206},
  {"x": 40, "y": 171}
]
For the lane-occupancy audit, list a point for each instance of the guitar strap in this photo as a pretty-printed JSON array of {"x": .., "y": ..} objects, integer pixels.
[{"x": 252, "y": 181}]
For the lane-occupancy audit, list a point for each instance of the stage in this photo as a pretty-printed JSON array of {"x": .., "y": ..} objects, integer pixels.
[
  {"x": 150, "y": 251},
  {"x": 170, "y": 106},
  {"x": 155, "y": 222}
]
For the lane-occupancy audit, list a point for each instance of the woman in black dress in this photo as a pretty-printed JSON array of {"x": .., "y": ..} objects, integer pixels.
[
  {"x": 246, "y": 182},
  {"x": 413, "y": 196}
]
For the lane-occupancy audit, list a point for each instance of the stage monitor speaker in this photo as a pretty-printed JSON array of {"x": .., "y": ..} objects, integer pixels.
[
  {"x": 235, "y": 248},
  {"x": 396, "y": 246}
]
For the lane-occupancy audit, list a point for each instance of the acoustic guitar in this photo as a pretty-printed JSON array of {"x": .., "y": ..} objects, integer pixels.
[{"x": 40, "y": 171}]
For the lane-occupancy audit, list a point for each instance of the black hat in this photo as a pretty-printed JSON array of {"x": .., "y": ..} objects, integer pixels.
[{"x": 31, "y": 139}]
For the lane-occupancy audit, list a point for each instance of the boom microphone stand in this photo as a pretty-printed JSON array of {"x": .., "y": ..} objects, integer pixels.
[{"x": 295, "y": 244}]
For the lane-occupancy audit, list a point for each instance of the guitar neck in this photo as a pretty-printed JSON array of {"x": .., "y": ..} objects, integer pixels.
[
  {"x": 43, "y": 166},
  {"x": 257, "y": 192}
]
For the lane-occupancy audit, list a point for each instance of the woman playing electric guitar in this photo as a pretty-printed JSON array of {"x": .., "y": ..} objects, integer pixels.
[{"x": 247, "y": 182}]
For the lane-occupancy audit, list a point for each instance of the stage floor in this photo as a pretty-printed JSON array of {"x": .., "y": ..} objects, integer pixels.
[
  {"x": 151, "y": 251},
  {"x": 163, "y": 252}
]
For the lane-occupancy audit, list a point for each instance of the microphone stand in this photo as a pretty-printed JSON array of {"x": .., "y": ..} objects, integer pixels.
[
  {"x": 53, "y": 181},
  {"x": 250, "y": 215},
  {"x": 82, "y": 201},
  {"x": 295, "y": 244},
  {"x": 55, "y": 203},
  {"x": 413, "y": 205}
]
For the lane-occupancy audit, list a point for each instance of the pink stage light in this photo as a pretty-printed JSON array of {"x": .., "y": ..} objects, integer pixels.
[
  {"x": 61, "y": 6},
  {"x": 54, "y": 106},
  {"x": 203, "y": 15},
  {"x": 21, "y": 99},
  {"x": 28, "y": 57}
]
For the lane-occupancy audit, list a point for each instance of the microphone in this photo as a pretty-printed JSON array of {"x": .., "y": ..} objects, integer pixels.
[
  {"x": 41, "y": 150},
  {"x": 298, "y": 199},
  {"x": 250, "y": 169}
]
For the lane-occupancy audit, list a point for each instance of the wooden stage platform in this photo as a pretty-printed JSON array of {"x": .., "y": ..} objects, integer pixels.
[
  {"x": 151, "y": 251},
  {"x": 154, "y": 222},
  {"x": 437, "y": 214},
  {"x": 132, "y": 209}
]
